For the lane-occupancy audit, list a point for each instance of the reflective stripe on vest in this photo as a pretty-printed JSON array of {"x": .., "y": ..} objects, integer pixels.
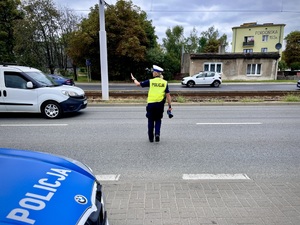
[{"x": 157, "y": 90}]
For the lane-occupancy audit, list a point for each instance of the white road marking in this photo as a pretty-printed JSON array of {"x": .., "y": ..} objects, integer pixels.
[
  {"x": 237, "y": 176},
  {"x": 229, "y": 123},
  {"x": 108, "y": 177},
  {"x": 33, "y": 125}
]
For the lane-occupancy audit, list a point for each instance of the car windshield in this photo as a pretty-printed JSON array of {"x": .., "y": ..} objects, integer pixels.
[{"x": 42, "y": 79}]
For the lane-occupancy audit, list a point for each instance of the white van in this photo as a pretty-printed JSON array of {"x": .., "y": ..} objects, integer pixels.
[{"x": 25, "y": 89}]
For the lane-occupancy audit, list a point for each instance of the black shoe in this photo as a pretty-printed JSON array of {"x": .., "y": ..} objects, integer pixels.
[
  {"x": 151, "y": 137},
  {"x": 156, "y": 138}
]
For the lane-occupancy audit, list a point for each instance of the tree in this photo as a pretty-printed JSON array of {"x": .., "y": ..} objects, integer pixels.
[
  {"x": 9, "y": 14},
  {"x": 191, "y": 43},
  {"x": 292, "y": 50},
  {"x": 36, "y": 34},
  {"x": 83, "y": 44},
  {"x": 210, "y": 41},
  {"x": 202, "y": 44},
  {"x": 42, "y": 35},
  {"x": 155, "y": 56},
  {"x": 282, "y": 65},
  {"x": 129, "y": 38},
  {"x": 67, "y": 24},
  {"x": 173, "y": 45}
]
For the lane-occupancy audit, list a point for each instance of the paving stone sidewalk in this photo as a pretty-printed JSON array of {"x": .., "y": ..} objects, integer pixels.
[{"x": 203, "y": 202}]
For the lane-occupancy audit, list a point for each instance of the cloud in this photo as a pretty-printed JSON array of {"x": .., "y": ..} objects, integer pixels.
[{"x": 223, "y": 15}]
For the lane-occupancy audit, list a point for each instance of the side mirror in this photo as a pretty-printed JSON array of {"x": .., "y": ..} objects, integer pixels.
[{"x": 29, "y": 85}]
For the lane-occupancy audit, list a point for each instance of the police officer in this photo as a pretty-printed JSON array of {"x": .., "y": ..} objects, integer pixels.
[{"x": 157, "y": 95}]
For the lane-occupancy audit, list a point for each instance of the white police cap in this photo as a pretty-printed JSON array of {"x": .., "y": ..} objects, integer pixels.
[{"x": 157, "y": 69}]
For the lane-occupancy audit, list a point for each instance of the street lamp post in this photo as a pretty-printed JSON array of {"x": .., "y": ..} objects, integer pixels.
[{"x": 103, "y": 52}]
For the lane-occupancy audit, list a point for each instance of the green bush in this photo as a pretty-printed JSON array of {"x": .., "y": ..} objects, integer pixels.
[{"x": 295, "y": 66}]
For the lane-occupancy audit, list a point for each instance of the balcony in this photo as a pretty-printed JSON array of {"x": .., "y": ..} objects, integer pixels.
[{"x": 248, "y": 43}]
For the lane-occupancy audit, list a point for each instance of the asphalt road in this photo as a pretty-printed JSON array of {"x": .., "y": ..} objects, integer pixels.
[
  {"x": 178, "y": 87},
  {"x": 259, "y": 141}
]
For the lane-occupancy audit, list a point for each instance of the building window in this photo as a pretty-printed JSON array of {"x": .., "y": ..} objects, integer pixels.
[
  {"x": 265, "y": 38},
  {"x": 249, "y": 39},
  {"x": 248, "y": 50},
  {"x": 253, "y": 69},
  {"x": 264, "y": 49},
  {"x": 214, "y": 67}
]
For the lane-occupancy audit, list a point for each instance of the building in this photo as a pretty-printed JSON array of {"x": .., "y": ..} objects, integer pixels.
[
  {"x": 253, "y": 37},
  {"x": 256, "y": 50},
  {"x": 236, "y": 66}
]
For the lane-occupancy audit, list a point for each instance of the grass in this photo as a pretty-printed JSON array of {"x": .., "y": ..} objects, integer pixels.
[
  {"x": 291, "y": 98},
  {"x": 245, "y": 100},
  {"x": 180, "y": 99},
  {"x": 216, "y": 101}
]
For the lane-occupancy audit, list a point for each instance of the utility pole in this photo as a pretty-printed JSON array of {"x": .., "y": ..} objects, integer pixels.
[{"x": 103, "y": 52}]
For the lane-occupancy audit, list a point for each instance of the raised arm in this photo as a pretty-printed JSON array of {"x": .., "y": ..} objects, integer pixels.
[{"x": 135, "y": 80}]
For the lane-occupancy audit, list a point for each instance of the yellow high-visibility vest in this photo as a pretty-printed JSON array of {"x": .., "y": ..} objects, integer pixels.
[{"x": 157, "y": 90}]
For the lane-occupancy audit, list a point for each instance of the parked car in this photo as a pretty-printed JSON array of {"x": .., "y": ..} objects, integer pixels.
[
  {"x": 25, "y": 89},
  {"x": 44, "y": 189},
  {"x": 62, "y": 80},
  {"x": 298, "y": 84},
  {"x": 203, "y": 78}
]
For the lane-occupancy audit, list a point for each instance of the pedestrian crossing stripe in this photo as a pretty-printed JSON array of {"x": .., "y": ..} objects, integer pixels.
[
  {"x": 205, "y": 176},
  {"x": 108, "y": 177},
  {"x": 237, "y": 176},
  {"x": 255, "y": 123}
]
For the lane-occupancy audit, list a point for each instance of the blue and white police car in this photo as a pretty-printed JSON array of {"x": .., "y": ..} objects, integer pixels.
[{"x": 43, "y": 189}]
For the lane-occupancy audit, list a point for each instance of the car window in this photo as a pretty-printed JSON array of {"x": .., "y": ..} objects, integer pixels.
[
  {"x": 210, "y": 74},
  {"x": 14, "y": 80},
  {"x": 200, "y": 75}
]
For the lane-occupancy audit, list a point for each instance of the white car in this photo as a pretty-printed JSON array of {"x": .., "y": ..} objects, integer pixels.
[
  {"x": 203, "y": 78},
  {"x": 25, "y": 89}
]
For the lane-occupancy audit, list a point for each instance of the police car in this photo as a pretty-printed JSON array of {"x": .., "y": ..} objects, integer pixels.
[{"x": 44, "y": 189}]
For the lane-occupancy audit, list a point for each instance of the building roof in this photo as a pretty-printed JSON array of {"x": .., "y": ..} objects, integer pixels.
[
  {"x": 253, "y": 55},
  {"x": 254, "y": 24}
]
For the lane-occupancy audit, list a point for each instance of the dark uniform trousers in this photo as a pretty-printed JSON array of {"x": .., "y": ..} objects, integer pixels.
[{"x": 154, "y": 114}]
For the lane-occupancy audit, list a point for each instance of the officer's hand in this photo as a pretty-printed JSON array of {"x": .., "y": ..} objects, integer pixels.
[{"x": 132, "y": 77}]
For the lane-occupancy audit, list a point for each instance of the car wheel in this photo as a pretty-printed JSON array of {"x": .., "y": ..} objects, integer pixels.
[
  {"x": 51, "y": 110},
  {"x": 190, "y": 83},
  {"x": 216, "y": 83}
]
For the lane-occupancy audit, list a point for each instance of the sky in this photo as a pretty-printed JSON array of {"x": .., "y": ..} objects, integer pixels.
[{"x": 203, "y": 14}]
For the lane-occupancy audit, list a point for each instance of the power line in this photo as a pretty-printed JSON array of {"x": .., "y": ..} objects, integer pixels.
[
  {"x": 230, "y": 10},
  {"x": 205, "y": 11}
]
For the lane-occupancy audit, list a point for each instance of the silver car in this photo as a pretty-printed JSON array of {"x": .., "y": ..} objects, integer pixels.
[{"x": 203, "y": 78}]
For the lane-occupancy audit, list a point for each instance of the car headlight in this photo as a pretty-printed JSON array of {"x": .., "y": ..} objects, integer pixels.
[{"x": 70, "y": 93}]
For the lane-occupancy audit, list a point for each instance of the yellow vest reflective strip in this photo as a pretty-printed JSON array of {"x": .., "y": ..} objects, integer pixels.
[{"x": 157, "y": 90}]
